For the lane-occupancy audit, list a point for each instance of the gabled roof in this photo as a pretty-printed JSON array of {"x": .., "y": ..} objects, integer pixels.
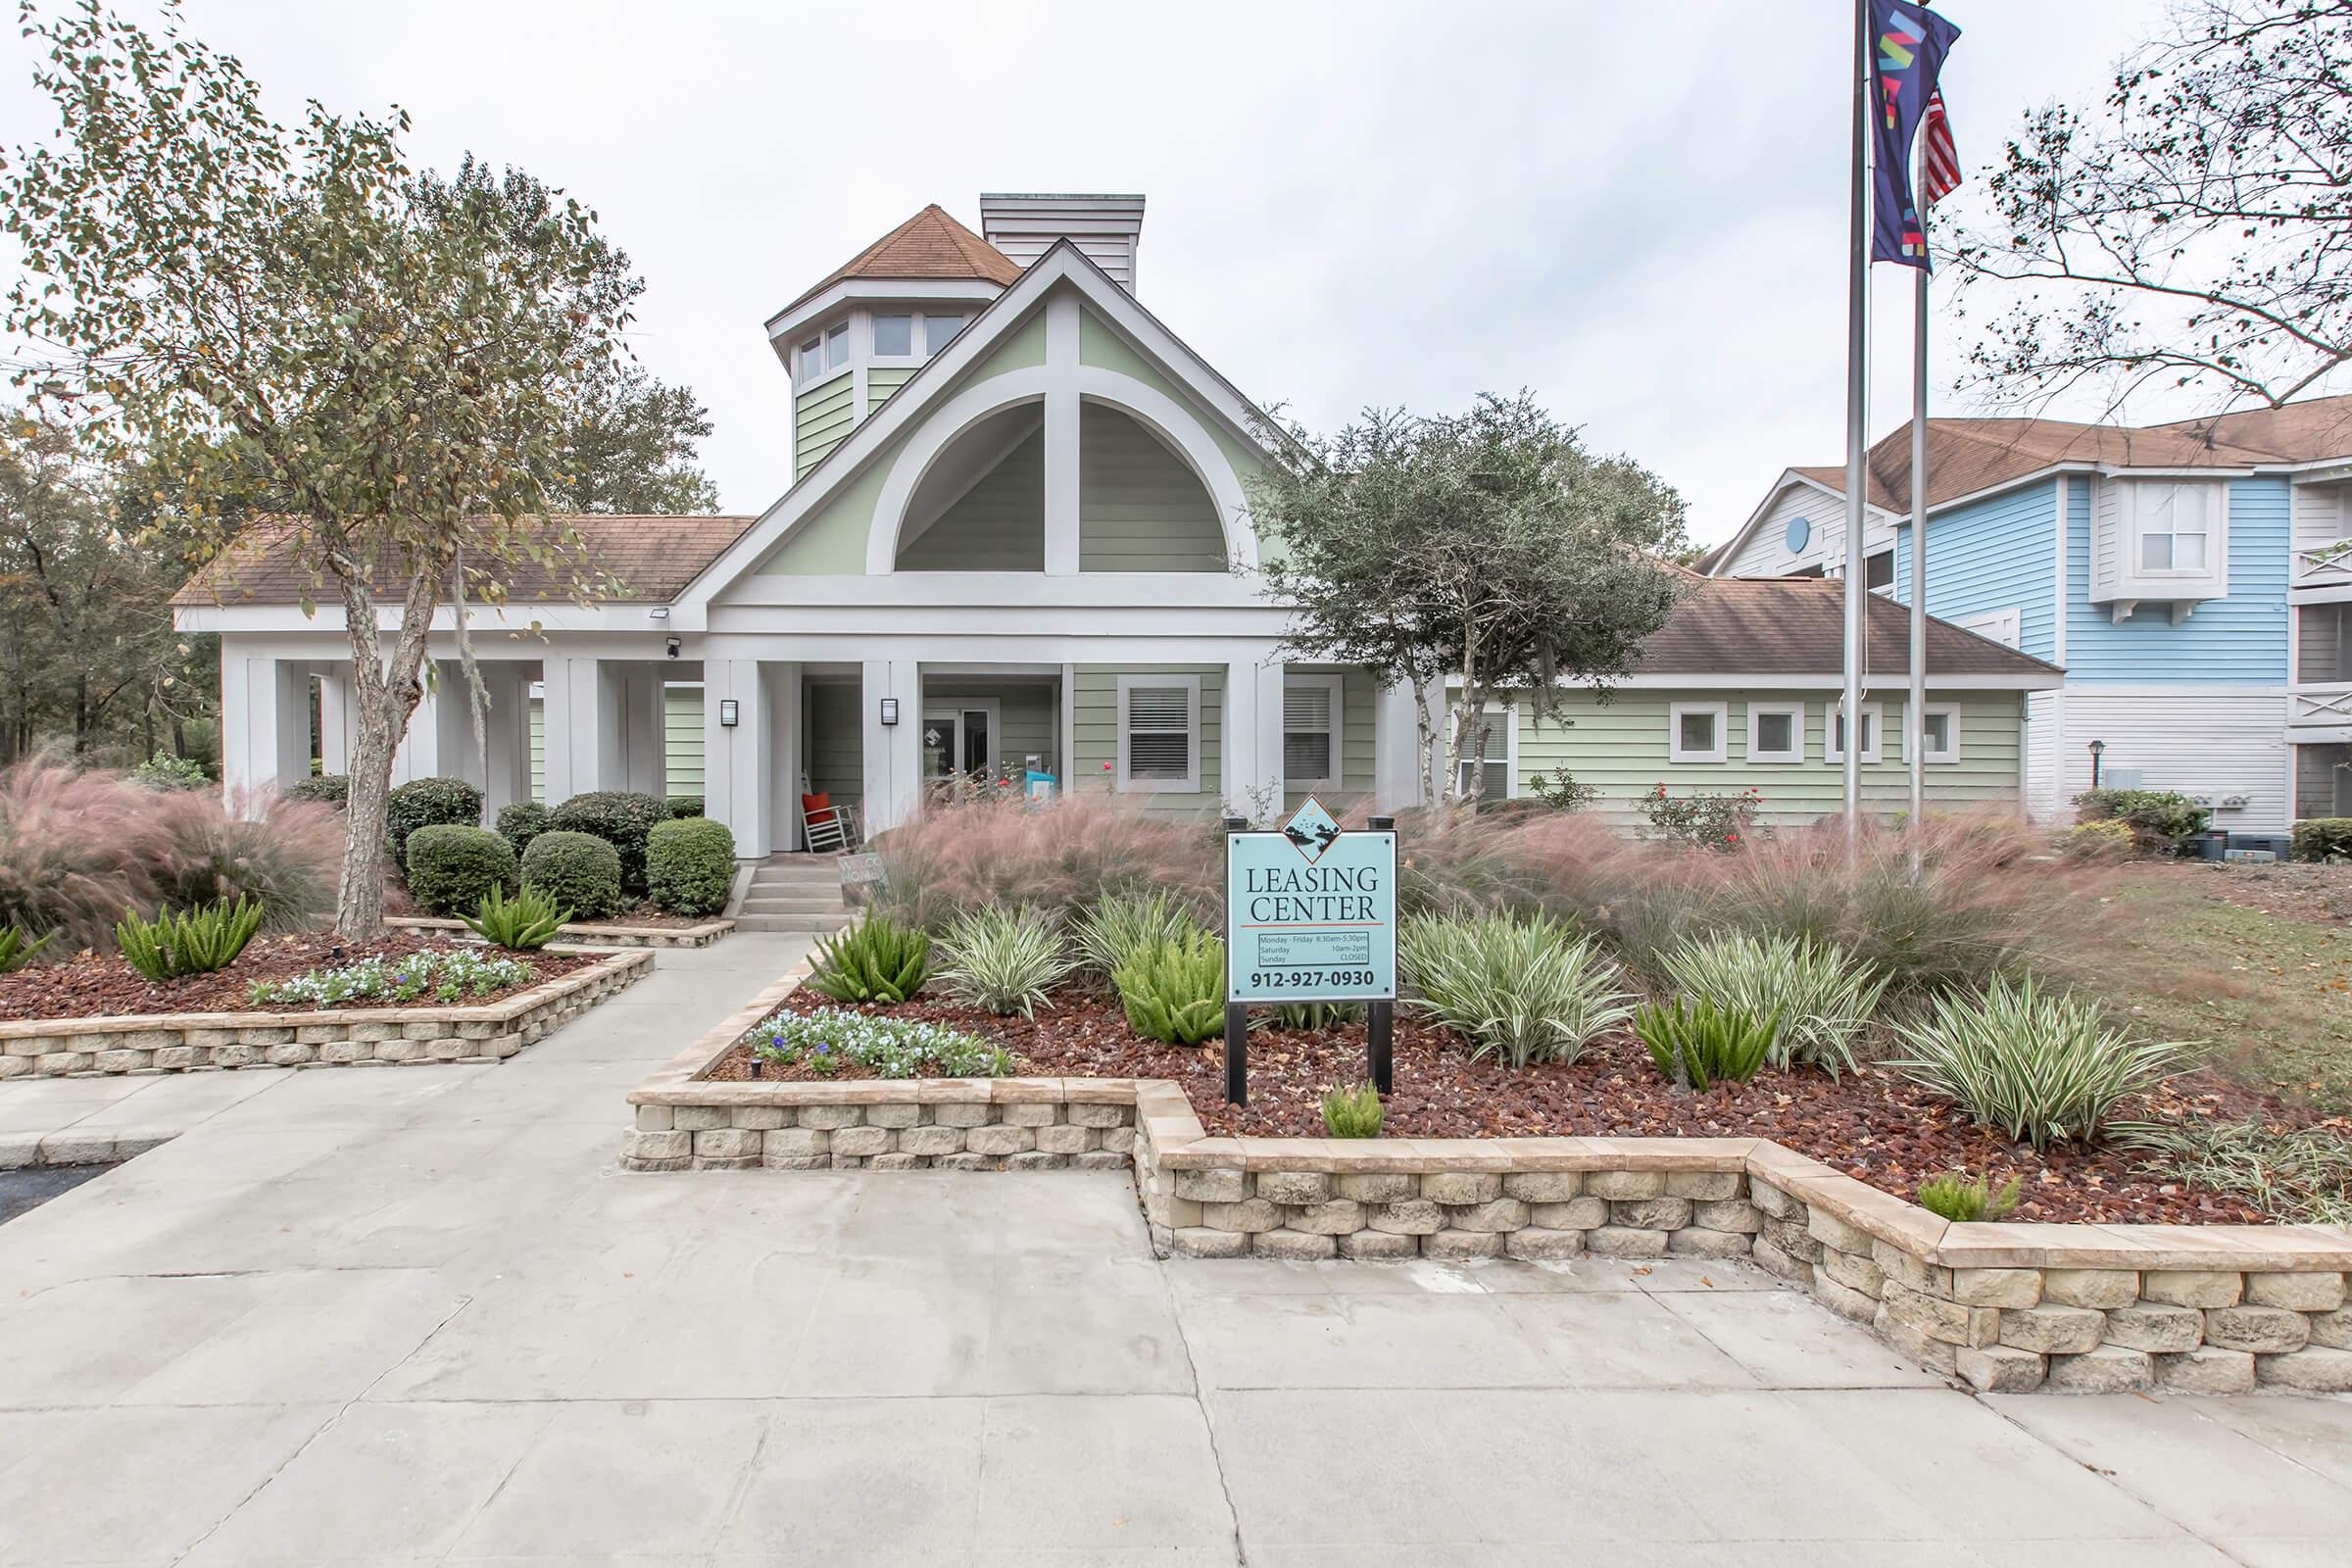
[
  {"x": 651, "y": 558},
  {"x": 1796, "y": 626},
  {"x": 928, "y": 246}
]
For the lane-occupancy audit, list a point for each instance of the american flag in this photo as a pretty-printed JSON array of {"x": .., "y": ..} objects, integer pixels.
[{"x": 1941, "y": 160}]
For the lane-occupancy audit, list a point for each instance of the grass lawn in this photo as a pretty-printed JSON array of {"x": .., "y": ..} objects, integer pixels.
[{"x": 2256, "y": 960}]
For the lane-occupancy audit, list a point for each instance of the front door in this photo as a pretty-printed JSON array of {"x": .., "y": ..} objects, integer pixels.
[
  {"x": 941, "y": 748},
  {"x": 957, "y": 739}
]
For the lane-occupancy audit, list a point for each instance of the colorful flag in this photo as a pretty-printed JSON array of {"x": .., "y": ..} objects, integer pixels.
[
  {"x": 1942, "y": 160},
  {"x": 1908, "y": 43}
]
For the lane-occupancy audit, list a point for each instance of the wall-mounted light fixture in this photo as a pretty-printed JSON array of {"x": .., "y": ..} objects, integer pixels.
[
  {"x": 726, "y": 713},
  {"x": 669, "y": 646},
  {"x": 890, "y": 712}
]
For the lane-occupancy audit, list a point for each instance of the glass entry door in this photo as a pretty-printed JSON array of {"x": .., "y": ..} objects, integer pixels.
[
  {"x": 958, "y": 740},
  {"x": 941, "y": 750}
]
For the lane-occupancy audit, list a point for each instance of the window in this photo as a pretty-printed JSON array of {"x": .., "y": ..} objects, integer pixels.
[
  {"x": 2174, "y": 523},
  {"x": 837, "y": 347},
  {"x": 1498, "y": 747},
  {"x": 1835, "y": 750},
  {"x": 820, "y": 356},
  {"x": 894, "y": 336},
  {"x": 1877, "y": 571},
  {"x": 1939, "y": 732},
  {"x": 813, "y": 359},
  {"x": 939, "y": 331},
  {"x": 1159, "y": 733},
  {"x": 1775, "y": 732},
  {"x": 1694, "y": 732},
  {"x": 1310, "y": 732}
]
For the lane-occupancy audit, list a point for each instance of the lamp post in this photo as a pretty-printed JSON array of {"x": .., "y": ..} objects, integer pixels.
[{"x": 2098, "y": 749}]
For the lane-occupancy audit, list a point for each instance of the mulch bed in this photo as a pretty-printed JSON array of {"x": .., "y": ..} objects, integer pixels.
[
  {"x": 101, "y": 985},
  {"x": 1874, "y": 1126}
]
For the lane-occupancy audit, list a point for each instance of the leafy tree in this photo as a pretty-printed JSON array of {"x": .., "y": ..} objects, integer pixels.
[
  {"x": 1487, "y": 546},
  {"x": 291, "y": 313},
  {"x": 2194, "y": 229}
]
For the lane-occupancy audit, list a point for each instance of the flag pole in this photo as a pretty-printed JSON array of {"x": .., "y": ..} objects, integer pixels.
[
  {"x": 1915, "y": 711},
  {"x": 1857, "y": 414}
]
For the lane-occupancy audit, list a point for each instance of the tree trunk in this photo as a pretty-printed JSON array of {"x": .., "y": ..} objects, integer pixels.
[{"x": 384, "y": 696}]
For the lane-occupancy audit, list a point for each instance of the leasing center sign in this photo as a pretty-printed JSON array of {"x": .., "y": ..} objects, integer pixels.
[{"x": 1311, "y": 912}]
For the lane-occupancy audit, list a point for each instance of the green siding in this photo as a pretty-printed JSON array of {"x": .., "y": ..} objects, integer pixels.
[
  {"x": 682, "y": 738},
  {"x": 1358, "y": 713},
  {"x": 1023, "y": 348},
  {"x": 1094, "y": 734},
  {"x": 1620, "y": 746},
  {"x": 998, "y": 524},
  {"x": 881, "y": 380},
  {"x": 1100, "y": 346},
  {"x": 1026, "y": 711},
  {"x": 1140, "y": 507},
  {"x": 836, "y": 742},
  {"x": 821, "y": 419}
]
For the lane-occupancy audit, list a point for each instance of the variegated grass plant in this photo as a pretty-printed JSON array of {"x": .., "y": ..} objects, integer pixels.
[
  {"x": 1523, "y": 988},
  {"x": 1115, "y": 929},
  {"x": 1823, "y": 996},
  {"x": 1003, "y": 959}
]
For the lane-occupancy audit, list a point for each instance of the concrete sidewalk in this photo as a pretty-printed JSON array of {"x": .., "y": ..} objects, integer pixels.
[{"x": 415, "y": 1315}]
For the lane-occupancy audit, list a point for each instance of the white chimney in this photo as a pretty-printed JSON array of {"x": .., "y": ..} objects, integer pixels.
[{"x": 1106, "y": 228}]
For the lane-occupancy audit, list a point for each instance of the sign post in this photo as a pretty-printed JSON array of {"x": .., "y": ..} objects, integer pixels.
[{"x": 1310, "y": 915}]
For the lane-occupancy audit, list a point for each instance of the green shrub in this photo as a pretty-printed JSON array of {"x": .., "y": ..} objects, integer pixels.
[
  {"x": 453, "y": 868},
  {"x": 520, "y": 821},
  {"x": 1112, "y": 931},
  {"x": 2161, "y": 819},
  {"x": 1705, "y": 820},
  {"x": 2041, "y": 1066},
  {"x": 878, "y": 960},
  {"x": 15, "y": 951},
  {"x": 519, "y": 924},
  {"x": 195, "y": 942},
  {"x": 622, "y": 819},
  {"x": 1002, "y": 958},
  {"x": 323, "y": 789},
  {"x": 1703, "y": 1044},
  {"x": 690, "y": 865},
  {"x": 1560, "y": 791},
  {"x": 1352, "y": 1112},
  {"x": 684, "y": 806},
  {"x": 831, "y": 1041},
  {"x": 1175, "y": 991},
  {"x": 452, "y": 976},
  {"x": 1957, "y": 1197},
  {"x": 2322, "y": 838},
  {"x": 166, "y": 773},
  {"x": 2105, "y": 839},
  {"x": 1821, "y": 996},
  {"x": 428, "y": 803},
  {"x": 577, "y": 871},
  {"x": 1523, "y": 988}
]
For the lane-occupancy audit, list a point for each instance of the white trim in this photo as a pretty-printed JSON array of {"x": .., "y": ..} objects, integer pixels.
[
  {"x": 2065, "y": 512},
  {"x": 2006, "y": 626},
  {"x": 1337, "y": 686},
  {"x": 1720, "y": 752},
  {"x": 1757, "y": 752},
  {"x": 1190, "y": 784},
  {"x": 790, "y": 322},
  {"x": 1950, "y": 752},
  {"x": 1873, "y": 725}
]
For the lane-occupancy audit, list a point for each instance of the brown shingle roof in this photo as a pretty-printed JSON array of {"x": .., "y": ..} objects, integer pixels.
[
  {"x": 653, "y": 558},
  {"x": 1796, "y": 626},
  {"x": 928, "y": 245}
]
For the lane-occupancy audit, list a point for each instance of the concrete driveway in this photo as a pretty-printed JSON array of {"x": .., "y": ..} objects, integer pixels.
[{"x": 415, "y": 1315}]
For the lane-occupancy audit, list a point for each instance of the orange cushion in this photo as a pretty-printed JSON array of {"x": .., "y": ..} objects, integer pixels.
[{"x": 812, "y": 805}]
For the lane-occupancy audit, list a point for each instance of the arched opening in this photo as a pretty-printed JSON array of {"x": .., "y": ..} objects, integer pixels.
[
  {"x": 981, "y": 505},
  {"x": 1141, "y": 506}
]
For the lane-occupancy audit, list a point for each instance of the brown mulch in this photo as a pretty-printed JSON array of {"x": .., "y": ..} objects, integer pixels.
[
  {"x": 1874, "y": 1125},
  {"x": 95, "y": 984},
  {"x": 2299, "y": 890}
]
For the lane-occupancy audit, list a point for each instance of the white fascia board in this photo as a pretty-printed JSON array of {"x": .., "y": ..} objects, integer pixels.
[
  {"x": 1829, "y": 681},
  {"x": 1872, "y": 515},
  {"x": 1113, "y": 593},
  {"x": 787, "y": 322},
  {"x": 2335, "y": 593},
  {"x": 1019, "y": 650},
  {"x": 1005, "y": 620},
  {"x": 483, "y": 619},
  {"x": 870, "y": 436}
]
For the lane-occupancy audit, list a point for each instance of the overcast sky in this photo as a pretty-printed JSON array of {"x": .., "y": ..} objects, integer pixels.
[{"x": 1637, "y": 210}]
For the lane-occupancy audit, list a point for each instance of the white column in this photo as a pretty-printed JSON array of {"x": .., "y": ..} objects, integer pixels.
[
  {"x": 894, "y": 781},
  {"x": 264, "y": 724},
  {"x": 1250, "y": 734},
  {"x": 581, "y": 718},
  {"x": 782, "y": 787},
  {"x": 334, "y": 720},
  {"x": 1061, "y": 436},
  {"x": 736, "y": 786},
  {"x": 1065, "y": 766},
  {"x": 507, "y": 770}
]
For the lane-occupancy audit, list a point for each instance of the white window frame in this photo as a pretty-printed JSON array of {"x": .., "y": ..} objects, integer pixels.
[
  {"x": 917, "y": 329},
  {"x": 821, "y": 343},
  {"x": 1337, "y": 686},
  {"x": 1190, "y": 784},
  {"x": 1757, "y": 752},
  {"x": 2215, "y": 532},
  {"x": 1950, "y": 750},
  {"x": 1874, "y": 722},
  {"x": 1720, "y": 752},
  {"x": 1508, "y": 713}
]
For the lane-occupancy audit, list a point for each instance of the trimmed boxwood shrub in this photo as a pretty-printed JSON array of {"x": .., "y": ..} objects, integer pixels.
[
  {"x": 690, "y": 865},
  {"x": 426, "y": 803},
  {"x": 685, "y": 806},
  {"x": 579, "y": 871},
  {"x": 2324, "y": 838},
  {"x": 452, "y": 867},
  {"x": 328, "y": 788},
  {"x": 522, "y": 822},
  {"x": 622, "y": 819}
]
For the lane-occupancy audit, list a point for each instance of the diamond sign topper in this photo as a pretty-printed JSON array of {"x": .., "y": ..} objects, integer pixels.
[{"x": 1312, "y": 830}]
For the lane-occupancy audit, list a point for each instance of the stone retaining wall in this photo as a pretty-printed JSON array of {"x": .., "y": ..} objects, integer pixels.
[
  {"x": 338, "y": 1037},
  {"x": 591, "y": 935},
  {"x": 961, "y": 1124}
]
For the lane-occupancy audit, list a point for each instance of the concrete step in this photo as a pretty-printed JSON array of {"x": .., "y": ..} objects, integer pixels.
[
  {"x": 791, "y": 923},
  {"x": 757, "y": 903},
  {"x": 810, "y": 883}
]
